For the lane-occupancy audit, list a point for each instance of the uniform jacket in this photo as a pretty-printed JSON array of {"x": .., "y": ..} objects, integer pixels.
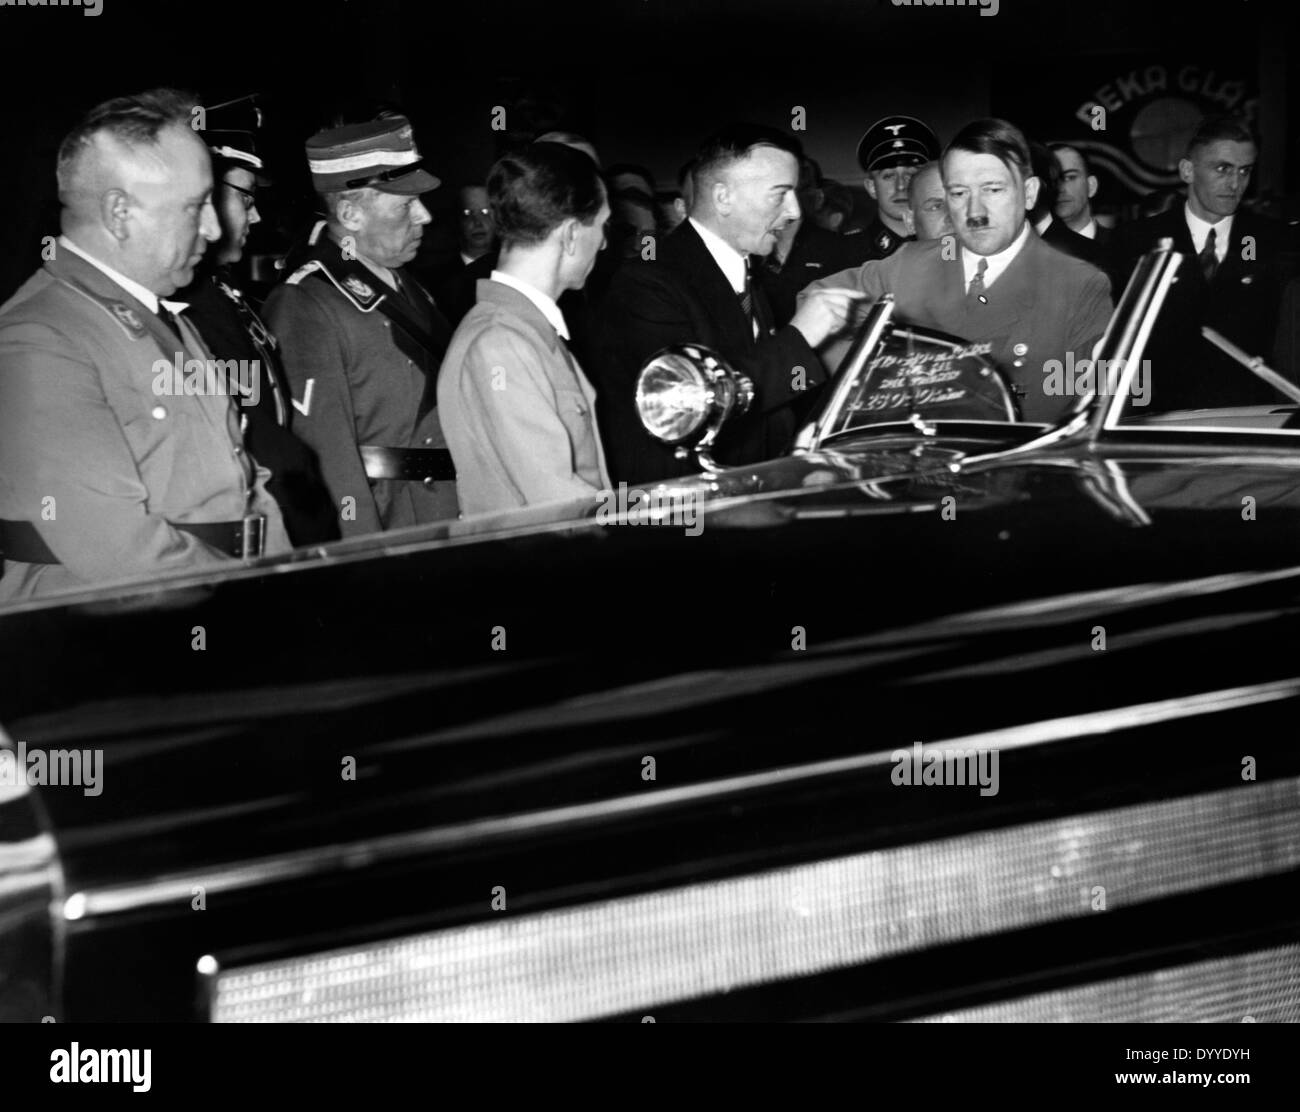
[
  {"x": 517, "y": 410},
  {"x": 360, "y": 378},
  {"x": 682, "y": 296},
  {"x": 1043, "y": 306},
  {"x": 231, "y": 329},
  {"x": 1241, "y": 303},
  {"x": 99, "y": 451},
  {"x": 876, "y": 241}
]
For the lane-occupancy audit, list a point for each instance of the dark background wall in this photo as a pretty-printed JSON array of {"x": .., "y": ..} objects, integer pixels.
[{"x": 644, "y": 79}]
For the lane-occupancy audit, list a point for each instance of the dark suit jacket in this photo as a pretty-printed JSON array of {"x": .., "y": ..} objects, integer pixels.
[
  {"x": 1064, "y": 238},
  {"x": 1241, "y": 303},
  {"x": 1042, "y": 308},
  {"x": 815, "y": 253},
  {"x": 678, "y": 297}
]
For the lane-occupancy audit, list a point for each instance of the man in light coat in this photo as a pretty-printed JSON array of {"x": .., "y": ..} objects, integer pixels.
[
  {"x": 121, "y": 455},
  {"x": 998, "y": 282},
  {"x": 517, "y": 410}
]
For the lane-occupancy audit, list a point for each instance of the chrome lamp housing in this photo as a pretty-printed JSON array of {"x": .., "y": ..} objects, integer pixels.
[{"x": 687, "y": 388}]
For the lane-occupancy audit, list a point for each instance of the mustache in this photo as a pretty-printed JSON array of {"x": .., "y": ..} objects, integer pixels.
[{"x": 977, "y": 221}]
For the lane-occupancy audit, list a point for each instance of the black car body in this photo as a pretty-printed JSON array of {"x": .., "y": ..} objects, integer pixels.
[{"x": 610, "y": 769}]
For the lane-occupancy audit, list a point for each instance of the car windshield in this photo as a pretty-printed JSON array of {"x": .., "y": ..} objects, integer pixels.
[
  {"x": 916, "y": 374},
  {"x": 1208, "y": 383}
]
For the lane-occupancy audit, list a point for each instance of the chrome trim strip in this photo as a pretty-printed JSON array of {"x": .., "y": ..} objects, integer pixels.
[
  {"x": 115, "y": 900},
  {"x": 631, "y": 953},
  {"x": 1260, "y": 987}
]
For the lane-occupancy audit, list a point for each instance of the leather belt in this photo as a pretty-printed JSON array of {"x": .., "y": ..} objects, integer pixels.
[
  {"x": 408, "y": 463},
  {"x": 21, "y": 541}
]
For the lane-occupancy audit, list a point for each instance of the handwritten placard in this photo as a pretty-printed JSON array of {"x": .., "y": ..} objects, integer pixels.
[{"x": 938, "y": 379}]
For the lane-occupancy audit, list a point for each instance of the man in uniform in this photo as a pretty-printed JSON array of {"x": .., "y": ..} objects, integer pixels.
[
  {"x": 1004, "y": 287},
  {"x": 361, "y": 340},
  {"x": 231, "y": 329},
  {"x": 890, "y": 152},
  {"x": 518, "y": 410},
  {"x": 111, "y": 467}
]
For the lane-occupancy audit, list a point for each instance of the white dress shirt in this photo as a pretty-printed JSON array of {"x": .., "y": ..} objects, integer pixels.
[
  {"x": 1089, "y": 230},
  {"x": 997, "y": 263},
  {"x": 1200, "y": 229},
  {"x": 732, "y": 262},
  {"x": 545, "y": 305}
]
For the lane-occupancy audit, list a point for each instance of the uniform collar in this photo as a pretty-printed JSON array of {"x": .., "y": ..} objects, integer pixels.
[
  {"x": 381, "y": 272},
  {"x": 545, "y": 305},
  {"x": 147, "y": 298},
  {"x": 729, "y": 260}
]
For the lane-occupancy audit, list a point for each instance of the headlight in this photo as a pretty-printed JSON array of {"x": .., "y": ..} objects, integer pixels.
[{"x": 686, "y": 388}]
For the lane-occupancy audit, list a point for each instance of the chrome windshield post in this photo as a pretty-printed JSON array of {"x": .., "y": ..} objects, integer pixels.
[
  {"x": 1127, "y": 333},
  {"x": 869, "y": 335}
]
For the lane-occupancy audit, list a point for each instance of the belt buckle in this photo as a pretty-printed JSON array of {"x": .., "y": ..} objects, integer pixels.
[{"x": 252, "y": 536}]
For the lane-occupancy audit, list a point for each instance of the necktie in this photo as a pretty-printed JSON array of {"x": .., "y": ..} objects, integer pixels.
[
  {"x": 747, "y": 295},
  {"x": 751, "y": 301},
  {"x": 169, "y": 319},
  {"x": 976, "y": 290},
  {"x": 1207, "y": 258}
]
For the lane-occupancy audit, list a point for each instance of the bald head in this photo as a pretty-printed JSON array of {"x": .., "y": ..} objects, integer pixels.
[
  {"x": 927, "y": 206},
  {"x": 135, "y": 182}
]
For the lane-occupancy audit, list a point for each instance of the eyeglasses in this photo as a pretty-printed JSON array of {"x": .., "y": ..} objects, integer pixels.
[
  {"x": 248, "y": 197},
  {"x": 467, "y": 213}
]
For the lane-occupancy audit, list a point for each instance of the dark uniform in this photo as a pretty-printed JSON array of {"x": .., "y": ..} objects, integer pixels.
[
  {"x": 889, "y": 142},
  {"x": 232, "y": 330}
]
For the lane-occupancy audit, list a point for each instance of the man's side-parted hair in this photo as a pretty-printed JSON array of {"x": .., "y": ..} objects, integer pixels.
[
  {"x": 1003, "y": 140},
  {"x": 1216, "y": 129},
  {"x": 727, "y": 146},
  {"x": 536, "y": 188},
  {"x": 132, "y": 120},
  {"x": 1057, "y": 148}
]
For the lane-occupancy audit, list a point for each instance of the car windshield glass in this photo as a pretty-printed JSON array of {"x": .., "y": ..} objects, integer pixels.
[
  {"x": 918, "y": 373},
  {"x": 1202, "y": 381}
]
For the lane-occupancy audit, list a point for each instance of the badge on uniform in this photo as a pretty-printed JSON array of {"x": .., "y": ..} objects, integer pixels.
[
  {"x": 127, "y": 317},
  {"x": 358, "y": 288}
]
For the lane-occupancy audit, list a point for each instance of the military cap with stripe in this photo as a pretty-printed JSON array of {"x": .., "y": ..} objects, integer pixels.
[
  {"x": 380, "y": 154},
  {"x": 897, "y": 141}
]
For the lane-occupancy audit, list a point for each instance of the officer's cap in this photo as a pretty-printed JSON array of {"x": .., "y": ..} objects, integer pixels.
[
  {"x": 380, "y": 154},
  {"x": 230, "y": 130},
  {"x": 897, "y": 141}
]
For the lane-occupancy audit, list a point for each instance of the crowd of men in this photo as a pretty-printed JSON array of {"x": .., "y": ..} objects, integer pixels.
[{"x": 152, "y": 417}]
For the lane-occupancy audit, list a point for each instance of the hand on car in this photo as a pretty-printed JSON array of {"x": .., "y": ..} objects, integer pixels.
[{"x": 824, "y": 312}]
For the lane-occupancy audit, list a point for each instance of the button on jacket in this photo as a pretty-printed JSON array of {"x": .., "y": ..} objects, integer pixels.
[
  {"x": 99, "y": 451},
  {"x": 357, "y": 378}
]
